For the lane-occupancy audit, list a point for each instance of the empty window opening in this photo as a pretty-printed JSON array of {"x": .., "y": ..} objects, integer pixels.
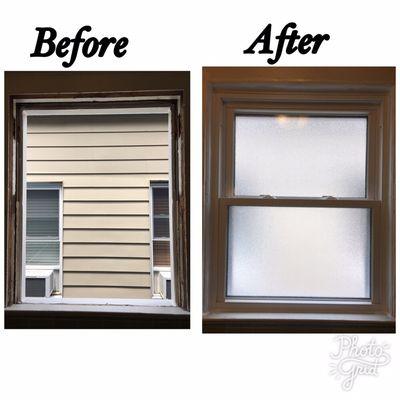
[{"x": 92, "y": 231}]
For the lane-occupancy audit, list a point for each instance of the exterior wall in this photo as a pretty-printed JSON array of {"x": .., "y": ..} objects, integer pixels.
[{"x": 105, "y": 164}]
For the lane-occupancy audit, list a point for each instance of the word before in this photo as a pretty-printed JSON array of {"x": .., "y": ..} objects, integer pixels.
[
  {"x": 305, "y": 44},
  {"x": 46, "y": 45}
]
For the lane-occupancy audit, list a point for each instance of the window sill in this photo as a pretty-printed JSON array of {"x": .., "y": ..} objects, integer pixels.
[
  {"x": 297, "y": 323},
  {"x": 95, "y": 316}
]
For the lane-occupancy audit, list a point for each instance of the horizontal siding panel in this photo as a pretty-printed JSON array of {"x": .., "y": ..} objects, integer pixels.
[
  {"x": 106, "y": 279},
  {"x": 98, "y": 123},
  {"x": 106, "y": 264},
  {"x": 97, "y": 167},
  {"x": 106, "y": 293},
  {"x": 106, "y": 236},
  {"x": 118, "y": 194},
  {"x": 98, "y": 139},
  {"x": 107, "y": 208},
  {"x": 107, "y": 222},
  {"x": 106, "y": 250},
  {"x": 97, "y": 153},
  {"x": 100, "y": 180}
]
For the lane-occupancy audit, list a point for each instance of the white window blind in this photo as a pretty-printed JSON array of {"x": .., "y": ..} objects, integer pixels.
[{"x": 42, "y": 227}]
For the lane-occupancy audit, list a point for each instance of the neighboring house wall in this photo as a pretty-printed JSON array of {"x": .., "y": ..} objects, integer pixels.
[{"x": 106, "y": 238}]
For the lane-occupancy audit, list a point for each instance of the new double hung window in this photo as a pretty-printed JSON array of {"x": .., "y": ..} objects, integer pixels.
[
  {"x": 299, "y": 195},
  {"x": 289, "y": 251}
]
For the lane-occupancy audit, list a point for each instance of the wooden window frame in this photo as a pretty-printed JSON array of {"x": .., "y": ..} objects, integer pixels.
[
  {"x": 100, "y": 90},
  {"x": 228, "y": 92}
]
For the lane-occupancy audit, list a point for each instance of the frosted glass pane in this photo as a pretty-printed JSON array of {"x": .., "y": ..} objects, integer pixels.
[
  {"x": 310, "y": 252},
  {"x": 300, "y": 156}
]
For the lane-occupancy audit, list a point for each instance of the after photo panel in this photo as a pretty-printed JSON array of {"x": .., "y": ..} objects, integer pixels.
[{"x": 299, "y": 199}]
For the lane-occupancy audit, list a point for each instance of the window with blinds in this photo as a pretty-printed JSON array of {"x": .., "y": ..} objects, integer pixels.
[
  {"x": 160, "y": 224},
  {"x": 43, "y": 225}
]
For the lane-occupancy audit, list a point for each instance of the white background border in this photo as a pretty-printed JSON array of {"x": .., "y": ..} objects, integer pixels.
[{"x": 119, "y": 364}]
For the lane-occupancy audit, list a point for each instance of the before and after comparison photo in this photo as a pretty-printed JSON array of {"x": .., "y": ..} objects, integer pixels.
[
  {"x": 199, "y": 200},
  {"x": 298, "y": 195}
]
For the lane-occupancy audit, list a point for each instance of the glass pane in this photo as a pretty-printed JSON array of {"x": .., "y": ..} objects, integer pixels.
[
  {"x": 160, "y": 201},
  {"x": 161, "y": 227},
  {"x": 42, "y": 214},
  {"x": 42, "y": 228},
  {"x": 300, "y": 156},
  {"x": 42, "y": 203},
  {"x": 42, "y": 253},
  {"x": 310, "y": 252},
  {"x": 161, "y": 253}
]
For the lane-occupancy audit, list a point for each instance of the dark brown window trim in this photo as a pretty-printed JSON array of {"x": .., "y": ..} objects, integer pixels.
[
  {"x": 51, "y": 85},
  {"x": 342, "y": 90},
  {"x": 88, "y": 317}
]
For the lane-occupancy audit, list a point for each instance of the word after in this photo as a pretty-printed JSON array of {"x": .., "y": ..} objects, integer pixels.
[
  {"x": 294, "y": 42},
  {"x": 46, "y": 45}
]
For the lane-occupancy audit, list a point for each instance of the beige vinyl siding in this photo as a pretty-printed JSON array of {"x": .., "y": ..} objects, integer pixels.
[
  {"x": 106, "y": 279},
  {"x": 99, "y": 123},
  {"x": 99, "y": 139},
  {"x": 109, "y": 194},
  {"x": 97, "y": 153},
  {"x": 106, "y": 236},
  {"x": 100, "y": 180},
  {"x": 105, "y": 165},
  {"x": 106, "y": 250},
  {"x": 98, "y": 167},
  {"x": 106, "y": 208},
  {"x": 106, "y": 222},
  {"x": 106, "y": 264},
  {"x": 106, "y": 292}
]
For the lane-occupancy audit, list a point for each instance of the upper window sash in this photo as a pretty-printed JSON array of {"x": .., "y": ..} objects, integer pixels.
[
  {"x": 300, "y": 156},
  {"x": 227, "y": 142}
]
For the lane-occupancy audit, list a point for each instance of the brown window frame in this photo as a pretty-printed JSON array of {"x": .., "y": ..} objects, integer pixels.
[
  {"x": 48, "y": 90},
  {"x": 341, "y": 91}
]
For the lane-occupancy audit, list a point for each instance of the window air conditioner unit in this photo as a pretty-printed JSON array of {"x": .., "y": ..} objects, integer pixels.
[
  {"x": 165, "y": 284},
  {"x": 39, "y": 283}
]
